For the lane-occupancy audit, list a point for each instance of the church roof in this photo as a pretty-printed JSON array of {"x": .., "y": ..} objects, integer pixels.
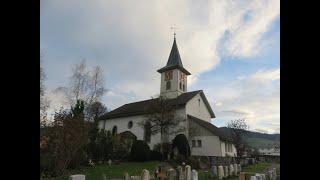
[
  {"x": 140, "y": 107},
  {"x": 174, "y": 61},
  {"x": 210, "y": 127}
]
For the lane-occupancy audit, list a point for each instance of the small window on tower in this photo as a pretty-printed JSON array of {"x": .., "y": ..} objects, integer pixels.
[
  {"x": 168, "y": 85},
  {"x": 193, "y": 143},
  {"x": 183, "y": 87},
  {"x": 180, "y": 85},
  {"x": 199, "y": 143}
]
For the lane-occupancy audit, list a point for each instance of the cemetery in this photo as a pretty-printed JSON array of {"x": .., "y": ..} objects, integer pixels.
[{"x": 250, "y": 169}]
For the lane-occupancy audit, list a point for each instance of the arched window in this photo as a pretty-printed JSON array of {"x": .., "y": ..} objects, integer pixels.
[
  {"x": 130, "y": 124},
  {"x": 114, "y": 130},
  {"x": 168, "y": 85},
  {"x": 147, "y": 132}
]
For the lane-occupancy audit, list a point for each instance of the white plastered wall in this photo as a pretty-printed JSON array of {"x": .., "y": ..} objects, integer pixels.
[{"x": 200, "y": 111}]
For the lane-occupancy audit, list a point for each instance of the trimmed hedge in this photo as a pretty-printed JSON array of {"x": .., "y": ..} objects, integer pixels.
[
  {"x": 140, "y": 151},
  {"x": 181, "y": 142}
]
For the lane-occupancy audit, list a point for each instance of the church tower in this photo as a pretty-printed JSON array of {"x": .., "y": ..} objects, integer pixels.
[{"x": 173, "y": 75}]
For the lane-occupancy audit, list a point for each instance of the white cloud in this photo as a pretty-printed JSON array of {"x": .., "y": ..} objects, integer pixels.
[{"x": 257, "y": 99}]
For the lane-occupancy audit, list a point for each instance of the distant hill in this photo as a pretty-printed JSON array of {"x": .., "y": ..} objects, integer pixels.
[{"x": 256, "y": 139}]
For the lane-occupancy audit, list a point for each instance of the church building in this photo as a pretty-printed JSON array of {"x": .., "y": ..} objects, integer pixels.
[{"x": 204, "y": 138}]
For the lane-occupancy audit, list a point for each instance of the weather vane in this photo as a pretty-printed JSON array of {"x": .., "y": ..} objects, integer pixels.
[{"x": 174, "y": 28}]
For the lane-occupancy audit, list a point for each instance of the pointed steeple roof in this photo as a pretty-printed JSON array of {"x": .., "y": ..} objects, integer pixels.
[
  {"x": 174, "y": 61},
  {"x": 174, "y": 57}
]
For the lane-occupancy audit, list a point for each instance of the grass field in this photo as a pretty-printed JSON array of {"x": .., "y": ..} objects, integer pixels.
[{"x": 260, "y": 142}]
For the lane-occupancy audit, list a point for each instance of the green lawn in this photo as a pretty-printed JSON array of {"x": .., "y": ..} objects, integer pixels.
[{"x": 114, "y": 171}]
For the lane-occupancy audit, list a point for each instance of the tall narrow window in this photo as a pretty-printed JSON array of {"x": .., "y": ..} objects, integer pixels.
[
  {"x": 114, "y": 130},
  {"x": 104, "y": 124},
  {"x": 147, "y": 132},
  {"x": 183, "y": 87},
  {"x": 130, "y": 124},
  {"x": 226, "y": 146},
  {"x": 180, "y": 86},
  {"x": 168, "y": 85}
]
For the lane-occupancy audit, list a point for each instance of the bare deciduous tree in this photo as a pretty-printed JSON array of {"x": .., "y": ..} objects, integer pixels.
[
  {"x": 238, "y": 130},
  {"x": 162, "y": 117},
  {"x": 44, "y": 102},
  {"x": 84, "y": 85}
]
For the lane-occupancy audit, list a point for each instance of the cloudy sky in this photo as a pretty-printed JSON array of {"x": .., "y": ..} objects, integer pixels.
[{"x": 231, "y": 47}]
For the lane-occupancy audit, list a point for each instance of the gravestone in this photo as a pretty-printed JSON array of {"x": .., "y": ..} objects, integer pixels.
[
  {"x": 235, "y": 168},
  {"x": 263, "y": 176},
  {"x": 275, "y": 173},
  {"x": 270, "y": 173},
  {"x": 226, "y": 171},
  {"x": 104, "y": 177},
  {"x": 220, "y": 172},
  {"x": 253, "y": 178},
  {"x": 171, "y": 174},
  {"x": 126, "y": 176},
  {"x": 246, "y": 162},
  {"x": 181, "y": 173},
  {"x": 194, "y": 175},
  {"x": 145, "y": 175},
  {"x": 135, "y": 178},
  {"x": 214, "y": 171},
  {"x": 242, "y": 176},
  {"x": 258, "y": 176},
  {"x": 109, "y": 162},
  {"x": 77, "y": 177},
  {"x": 188, "y": 172},
  {"x": 231, "y": 170}
]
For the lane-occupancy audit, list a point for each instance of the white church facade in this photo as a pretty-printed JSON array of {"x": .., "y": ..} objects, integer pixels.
[{"x": 204, "y": 138}]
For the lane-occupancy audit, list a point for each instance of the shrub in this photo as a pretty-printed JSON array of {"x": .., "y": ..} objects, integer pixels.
[
  {"x": 181, "y": 142},
  {"x": 140, "y": 151},
  {"x": 193, "y": 162},
  {"x": 155, "y": 155}
]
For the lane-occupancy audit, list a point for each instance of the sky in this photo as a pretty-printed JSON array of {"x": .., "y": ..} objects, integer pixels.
[{"x": 231, "y": 48}]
